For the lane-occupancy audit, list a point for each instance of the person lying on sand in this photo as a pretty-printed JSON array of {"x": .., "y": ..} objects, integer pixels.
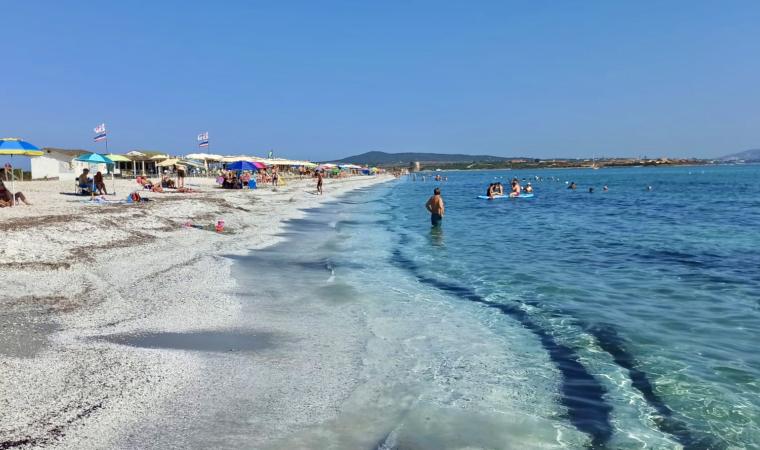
[
  {"x": 145, "y": 182},
  {"x": 7, "y": 197}
]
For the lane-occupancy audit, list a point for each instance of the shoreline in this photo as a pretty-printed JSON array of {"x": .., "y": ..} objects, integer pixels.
[{"x": 82, "y": 273}]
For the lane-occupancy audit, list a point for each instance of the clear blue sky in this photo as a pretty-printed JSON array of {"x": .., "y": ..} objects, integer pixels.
[{"x": 323, "y": 80}]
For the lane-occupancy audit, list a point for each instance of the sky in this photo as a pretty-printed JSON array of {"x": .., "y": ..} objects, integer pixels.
[{"x": 327, "y": 79}]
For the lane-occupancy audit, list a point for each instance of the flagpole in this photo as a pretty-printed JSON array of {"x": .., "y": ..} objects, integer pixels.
[{"x": 113, "y": 169}]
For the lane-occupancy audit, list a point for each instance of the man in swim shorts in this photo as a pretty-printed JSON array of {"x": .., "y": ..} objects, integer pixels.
[{"x": 436, "y": 208}]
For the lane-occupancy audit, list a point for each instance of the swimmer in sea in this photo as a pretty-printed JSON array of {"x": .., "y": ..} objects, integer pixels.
[
  {"x": 489, "y": 191},
  {"x": 528, "y": 188},
  {"x": 516, "y": 189},
  {"x": 572, "y": 185},
  {"x": 435, "y": 206},
  {"x": 605, "y": 188}
]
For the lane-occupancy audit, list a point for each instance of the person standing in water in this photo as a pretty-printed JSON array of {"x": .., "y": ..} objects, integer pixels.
[
  {"x": 319, "y": 182},
  {"x": 436, "y": 208}
]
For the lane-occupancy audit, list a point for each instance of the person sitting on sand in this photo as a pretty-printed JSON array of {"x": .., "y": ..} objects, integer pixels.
[
  {"x": 100, "y": 185},
  {"x": 7, "y": 198},
  {"x": 230, "y": 180},
  {"x": 167, "y": 182},
  {"x": 84, "y": 179}
]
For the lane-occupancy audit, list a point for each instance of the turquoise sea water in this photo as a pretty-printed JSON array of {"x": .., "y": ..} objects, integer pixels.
[
  {"x": 656, "y": 292},
  {"x": 620, "y": 319}
]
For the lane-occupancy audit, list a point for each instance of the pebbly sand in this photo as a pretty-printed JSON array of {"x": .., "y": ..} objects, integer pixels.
[{"x": 93, "y": 295}]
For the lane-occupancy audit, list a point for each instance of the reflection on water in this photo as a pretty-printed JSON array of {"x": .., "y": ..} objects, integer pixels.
[{"x": 436, "y": 236}]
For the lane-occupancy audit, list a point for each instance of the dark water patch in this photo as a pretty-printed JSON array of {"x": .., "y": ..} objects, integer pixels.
[
  {"x": 337, "y": 292},
  {"x": 200, "y": 341},
  {"x": 581, "y": 393},
  {"x": 673, "y": 257},
  {"x": 611, "y": 342},
  {"x": 361, "y": 223},
  {"x": 277, "y": 259},
  {"x": 305, "y": 224}
]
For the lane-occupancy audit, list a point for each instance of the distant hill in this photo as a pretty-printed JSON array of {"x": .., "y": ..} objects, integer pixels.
[
  {"x": 403, "y": 159},
  {"x": 747, "y": 155}
]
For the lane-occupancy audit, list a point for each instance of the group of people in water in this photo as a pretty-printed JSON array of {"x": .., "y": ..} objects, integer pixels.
[{"x": 497, "y": 189}]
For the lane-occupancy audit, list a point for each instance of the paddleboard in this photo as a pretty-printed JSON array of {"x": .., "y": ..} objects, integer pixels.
[{"x": 485, "y": 197}]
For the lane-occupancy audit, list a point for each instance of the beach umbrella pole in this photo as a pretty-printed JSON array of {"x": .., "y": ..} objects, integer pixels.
[{"x": 13, "y": 185}]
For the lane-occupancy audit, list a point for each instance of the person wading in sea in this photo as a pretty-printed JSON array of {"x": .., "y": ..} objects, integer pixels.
[
  {"x": 319, "y": 182},
  {"x": 435, "y": 206}
]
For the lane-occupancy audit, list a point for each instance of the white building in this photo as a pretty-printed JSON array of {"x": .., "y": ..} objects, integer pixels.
[{"x": 60, "y": 164}]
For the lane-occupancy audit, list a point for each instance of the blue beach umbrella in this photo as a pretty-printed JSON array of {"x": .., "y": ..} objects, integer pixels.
[
  {"x": 95, "y": 158},
  {"x": 242, "y": 165},
  {"x": 15, "y": 146}
]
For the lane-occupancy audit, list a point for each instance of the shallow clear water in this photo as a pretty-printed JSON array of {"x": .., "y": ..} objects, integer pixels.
[
  {"x": 619, "y": 319},
  {"x": 655, "y": 293}
]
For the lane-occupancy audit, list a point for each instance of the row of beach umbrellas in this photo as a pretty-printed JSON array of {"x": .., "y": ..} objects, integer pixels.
[{"x": 18, "y": 147}]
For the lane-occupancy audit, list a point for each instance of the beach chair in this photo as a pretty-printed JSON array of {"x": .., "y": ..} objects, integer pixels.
[{"x": 82, "y": 190}]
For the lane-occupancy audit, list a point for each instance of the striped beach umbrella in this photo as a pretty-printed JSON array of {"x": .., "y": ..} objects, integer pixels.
[{"x": 13, "y": 147}]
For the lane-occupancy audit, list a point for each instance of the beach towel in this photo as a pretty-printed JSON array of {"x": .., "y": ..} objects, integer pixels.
[{"x": 101, "y": 200}]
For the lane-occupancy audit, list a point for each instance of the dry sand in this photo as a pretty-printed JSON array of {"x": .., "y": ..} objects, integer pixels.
[{"x": 74, "y": 272}]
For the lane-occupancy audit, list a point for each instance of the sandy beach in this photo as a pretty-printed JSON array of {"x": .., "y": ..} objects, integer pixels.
[{"x": 81, "y": 280}]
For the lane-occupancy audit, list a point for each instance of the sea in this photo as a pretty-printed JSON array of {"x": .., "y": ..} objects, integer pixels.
[{"x": 624, "y": 318}]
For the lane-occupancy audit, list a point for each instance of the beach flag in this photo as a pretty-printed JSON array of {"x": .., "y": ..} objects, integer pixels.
[
  {"x": 203, "y": 139},
  {"x": 100, "y": 132}
]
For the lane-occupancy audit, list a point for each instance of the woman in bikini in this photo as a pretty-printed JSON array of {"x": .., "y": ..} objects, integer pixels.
[{"x": 8, "y": 198}]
